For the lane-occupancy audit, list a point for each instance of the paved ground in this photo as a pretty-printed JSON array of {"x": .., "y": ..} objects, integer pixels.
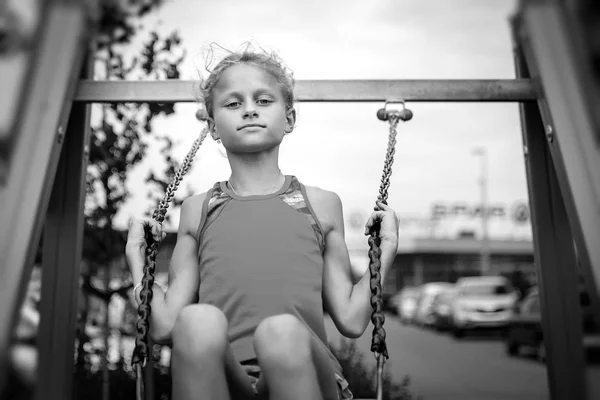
[{"x": 442, "y": 368}]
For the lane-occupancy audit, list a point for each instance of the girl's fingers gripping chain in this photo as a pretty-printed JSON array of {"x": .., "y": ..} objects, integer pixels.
[
  {"x": 153, "y": 230},
  {"x": 384, "y": 207},
  {"x": 373, "y": 218},
  {"x": 386, "y": 217},
  {"x": 139, "y": 228}
]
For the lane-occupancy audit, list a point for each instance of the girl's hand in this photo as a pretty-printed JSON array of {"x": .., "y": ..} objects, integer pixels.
[
  {"x": 388, "y": 220},
  {"x": 135, "y": 249}
]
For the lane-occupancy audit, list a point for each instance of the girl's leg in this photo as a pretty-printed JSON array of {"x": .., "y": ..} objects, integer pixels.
[
  {"x": 202, "y": 362},
  {"x": 294, "y": 364}
]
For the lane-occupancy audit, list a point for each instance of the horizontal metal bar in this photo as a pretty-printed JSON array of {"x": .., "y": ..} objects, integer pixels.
[{"x": 169, "y": 91}]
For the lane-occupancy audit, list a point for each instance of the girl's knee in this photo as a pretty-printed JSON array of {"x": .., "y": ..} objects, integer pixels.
[
  {"x": 198, "y": 329},
  {"x": 283, "y": 340}
]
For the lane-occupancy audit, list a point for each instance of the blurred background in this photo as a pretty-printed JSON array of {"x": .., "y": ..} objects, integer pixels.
[{"x": 462, "y": 309}]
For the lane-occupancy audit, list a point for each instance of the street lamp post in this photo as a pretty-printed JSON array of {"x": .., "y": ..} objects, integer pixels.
[{"x": 485, "y": 243}]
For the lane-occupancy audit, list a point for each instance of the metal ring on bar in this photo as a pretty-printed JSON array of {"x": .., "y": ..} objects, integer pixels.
[{"x": 404, "y": 114}]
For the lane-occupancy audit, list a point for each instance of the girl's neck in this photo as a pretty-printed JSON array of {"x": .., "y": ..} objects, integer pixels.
[{"x": 255, "y": 178}]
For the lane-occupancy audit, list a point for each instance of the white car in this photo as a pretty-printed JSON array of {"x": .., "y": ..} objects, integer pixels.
[
  {"x": 424, "y": 312},
  {"x": 406, "y": 303},
  {"x": 482, "y": 302}
]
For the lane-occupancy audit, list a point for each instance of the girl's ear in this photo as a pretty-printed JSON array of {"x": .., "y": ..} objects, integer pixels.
[
  {"x": 212, "y": 128},
  {"x": 203, "y": 116},
  {"x": 290, "y": 118}
]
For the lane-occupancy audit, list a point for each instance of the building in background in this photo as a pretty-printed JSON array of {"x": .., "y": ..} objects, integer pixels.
[{"x": 424, "y": 260}]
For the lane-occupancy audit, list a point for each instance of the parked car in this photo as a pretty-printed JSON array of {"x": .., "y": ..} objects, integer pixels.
[
  {"x": 388, "y": 300},
  {"x": 424, "y": 307},
  {"x": 482, "y": 302},
  {"x": 393, "y": 303},
  {"x": 441, "y": 308},
  {"x": 525, "y": 327},
  {"x": 405, "y": 302}
]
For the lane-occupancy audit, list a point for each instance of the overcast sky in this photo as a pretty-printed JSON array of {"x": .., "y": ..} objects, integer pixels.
[{"x": 341, "y": 147}]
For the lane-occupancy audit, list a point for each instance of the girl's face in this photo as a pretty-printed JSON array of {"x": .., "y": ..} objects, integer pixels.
[{"x": 249, "y": 110}]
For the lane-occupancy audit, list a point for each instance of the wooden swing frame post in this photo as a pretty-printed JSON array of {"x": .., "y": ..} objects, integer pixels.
[
  {"x": 37, "y": 178},
  {"x": 563, "y": 172},
  {"x": 562, "y": 161}
]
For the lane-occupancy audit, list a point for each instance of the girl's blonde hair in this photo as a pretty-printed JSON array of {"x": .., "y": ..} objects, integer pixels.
[{"x": 268, "y": 61}]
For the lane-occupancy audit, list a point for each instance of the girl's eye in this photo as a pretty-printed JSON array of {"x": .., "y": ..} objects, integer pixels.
[
  {"x": 264, "y": 101},
  {"x": 232, "y": 104}
]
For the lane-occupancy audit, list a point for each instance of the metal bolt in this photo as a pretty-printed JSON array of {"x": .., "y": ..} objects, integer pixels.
[
  {"x": 549, "y": 133},
  {"x": 525, "y": 152},
  {"x": 61, "y": 134},
  {"x": 86, "y": 150}
]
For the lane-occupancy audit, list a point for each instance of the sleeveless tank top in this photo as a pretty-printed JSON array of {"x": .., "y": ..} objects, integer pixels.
[{"x": 260, "y": 256}]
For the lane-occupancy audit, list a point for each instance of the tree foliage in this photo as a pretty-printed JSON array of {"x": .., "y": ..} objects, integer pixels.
[{"x": 122, "y": 138}]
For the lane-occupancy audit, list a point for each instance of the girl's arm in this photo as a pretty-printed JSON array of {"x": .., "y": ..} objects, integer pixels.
[
  {"x": 349, "y": 305},
  {"x": 184, "y": 278}
]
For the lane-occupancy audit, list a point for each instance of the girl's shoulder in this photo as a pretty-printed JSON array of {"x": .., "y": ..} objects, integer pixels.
[
  {"x": 319, "y": 195},
  {"x": 191, "y": 212},
  {"x": 326, "y": 204}
]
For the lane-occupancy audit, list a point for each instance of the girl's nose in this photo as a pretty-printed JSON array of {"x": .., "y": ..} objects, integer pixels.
[{"x": 250, "y": 111}]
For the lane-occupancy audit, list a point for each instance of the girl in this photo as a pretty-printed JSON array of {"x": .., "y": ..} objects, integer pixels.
[{"x": 263, "y": 254}]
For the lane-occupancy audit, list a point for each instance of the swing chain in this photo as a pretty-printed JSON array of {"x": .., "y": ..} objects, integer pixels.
[
  {"x": 159, "y": 213},
  {"x": 378, "y": 345},
  {"x": 389, "y": 159},
  {"x": 140, "y": 352}
]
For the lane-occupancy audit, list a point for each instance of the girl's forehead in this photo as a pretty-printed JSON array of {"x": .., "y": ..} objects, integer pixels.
[{"x": 245, "y": 76}]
